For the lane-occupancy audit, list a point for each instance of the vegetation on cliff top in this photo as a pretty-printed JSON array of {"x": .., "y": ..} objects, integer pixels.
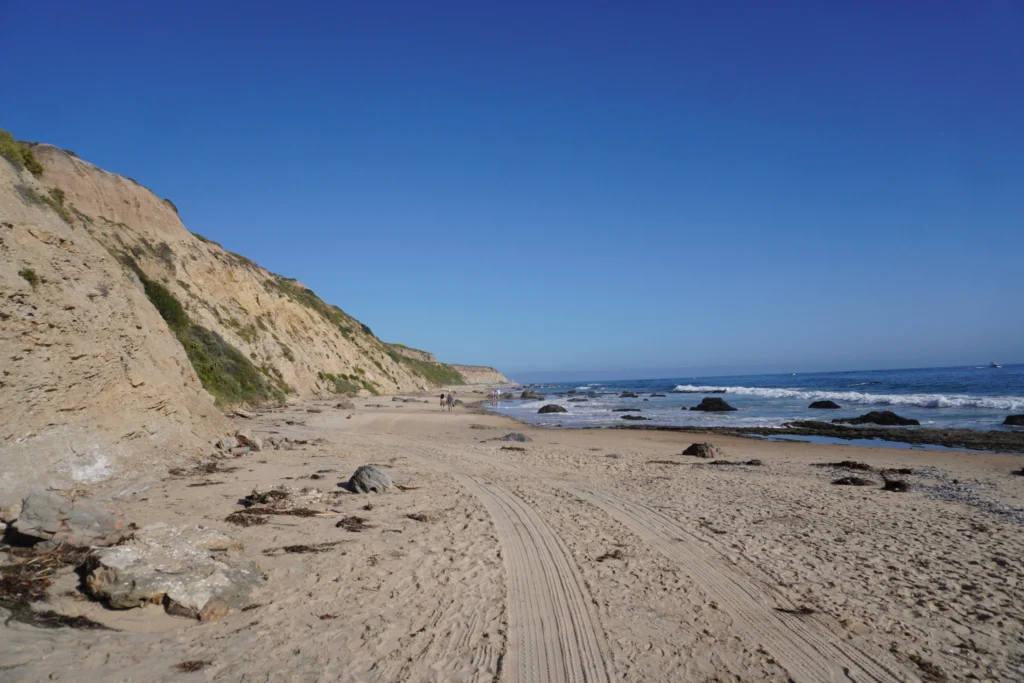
[
  {"x": 436, "y": 373},
  {"x": 19, "y": 154}
]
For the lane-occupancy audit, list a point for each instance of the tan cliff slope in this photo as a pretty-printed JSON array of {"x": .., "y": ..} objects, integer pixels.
[
  {"x": 91, "y": 383},
  {"x": 119, "y": 328}
]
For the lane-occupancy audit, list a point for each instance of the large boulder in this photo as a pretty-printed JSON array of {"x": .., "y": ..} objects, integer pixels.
[
  {"x": 369, "y": 478},
  {"x": 824, "y": 405},
  {"x": 1014, "y": 420},
  {"x": 702, "y": 450},
  {"x": 886, "y": 418},
  {"x": 48, "y": 516},
  {"x": 532, "y": 395},
  {"x": 712, "y": 405},
  {"x": 194, "y": 572},
  {"x": 552, "y": 408}
]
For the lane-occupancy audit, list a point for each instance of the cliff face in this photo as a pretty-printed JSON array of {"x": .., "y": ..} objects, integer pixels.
[
  {"x": 91, "y": 382},
  {"x": 481, "y": 374},
  {"x": 302, "y": 344},
  {"x": 119, "y": 328}
]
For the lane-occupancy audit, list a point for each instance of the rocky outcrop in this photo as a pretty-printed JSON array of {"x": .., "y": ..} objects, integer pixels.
[
  {"x": 193, "y": 572},
  {"x": 1014, "y": 420},
  {"x": 824, "y": 405},
  {"x": 886, "y": 418},
  {"x": 530, "y": 396},
  {"x": 552, "y": 408},
  {"x": 712, "y": 405}
]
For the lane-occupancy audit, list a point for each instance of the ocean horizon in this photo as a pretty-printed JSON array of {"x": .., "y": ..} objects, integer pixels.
[{"x": 966, "y": 397}]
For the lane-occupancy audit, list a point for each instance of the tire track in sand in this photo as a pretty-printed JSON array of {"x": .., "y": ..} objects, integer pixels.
[
  {"x": 806, "y": 648},
  {"x": 552, "y": 634}
]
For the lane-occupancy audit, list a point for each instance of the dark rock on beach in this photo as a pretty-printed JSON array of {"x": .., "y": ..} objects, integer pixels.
[
  {"x": 824, "y": 405},
  {"x": 702, "y": 450},
  {"x": 552, "y": 408},
  {"x": 886, "y": 418},
  {"x": 1014, "y": 420},
  {"x": 369, "y": 478},
  {"x": 712, "y": 405}
]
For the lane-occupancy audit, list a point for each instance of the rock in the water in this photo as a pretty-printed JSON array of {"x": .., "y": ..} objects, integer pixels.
[
  {"x": 514, "y": 436},
  {"x": 578, "y": 400},
  {"x": 712, "y": 405},
  {"x": 194, "y": 571},
  {"x": 629, "y": 394},
  {"x": 245, "y": 438},
  {"x": 886, "y": 418},
  {"x": 824, "y": 405},
  {"x": 657, "y": 395},
  {"x": 634, "y": 417},
  {"x": 552, "y": 408},
  {"x": 1014, "y": 420},
  {"x": 345, "y": 405},
  {"x": 702, "y": 450},
  {"x": 531, "y": 395},
  {"x": 48, "y": 516},
  {"x": 369, "y": 478},
  {"x": 626, "y": 410}
]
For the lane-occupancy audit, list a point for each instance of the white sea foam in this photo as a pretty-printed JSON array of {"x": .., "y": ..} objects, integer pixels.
[{"x": 920, "y": 400}]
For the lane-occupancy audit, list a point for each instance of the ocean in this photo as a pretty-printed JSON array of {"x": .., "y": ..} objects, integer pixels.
[{"x": 973, "y": 397}]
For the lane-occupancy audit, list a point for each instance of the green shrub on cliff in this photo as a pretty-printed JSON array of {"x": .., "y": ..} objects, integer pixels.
[
  {"x": 18, "y": 154},
  {"x": 224, "y": 370}
]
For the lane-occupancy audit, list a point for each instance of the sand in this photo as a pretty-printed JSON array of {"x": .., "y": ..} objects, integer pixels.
[{"x": 591, "y": 555}]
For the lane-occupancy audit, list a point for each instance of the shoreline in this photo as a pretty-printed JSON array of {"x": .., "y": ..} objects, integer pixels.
[{"x": 989, "y": 441}]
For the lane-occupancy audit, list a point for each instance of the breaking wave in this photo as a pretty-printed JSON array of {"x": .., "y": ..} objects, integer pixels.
[{"x": 919, "y": 400}]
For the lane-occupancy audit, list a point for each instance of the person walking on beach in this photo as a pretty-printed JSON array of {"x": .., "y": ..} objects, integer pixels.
[
  {"x": 451, "y": 402},
  {"x": 442, "y": 402}
]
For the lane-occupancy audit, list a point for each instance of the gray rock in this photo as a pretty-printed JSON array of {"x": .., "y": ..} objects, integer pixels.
[
  {"x": 245, "y": 438},
  {"x": 186, "y": 567},
  {"x": 241, "y": 450},
  {"x": 1014, "y": 420},
  {"x": 47, "y": 516},
  {"x": 227, "y": 443},
  {"x": 369, "y": 478},
  {"x": 514, "y": 436},
  {"x": 552, "y": 408},
  {"x": 702, "y": 450},
  {"x": 244, "y": 414},
  {"x": 345, "y": 405},
  {"x": 824, "y": 405}
]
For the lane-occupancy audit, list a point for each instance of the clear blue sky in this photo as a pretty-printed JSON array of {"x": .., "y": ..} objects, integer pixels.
[{"x": 682, "y": 186}]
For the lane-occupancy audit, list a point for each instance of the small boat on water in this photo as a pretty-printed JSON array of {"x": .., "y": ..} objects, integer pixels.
[{"x": 994, "y": 364}]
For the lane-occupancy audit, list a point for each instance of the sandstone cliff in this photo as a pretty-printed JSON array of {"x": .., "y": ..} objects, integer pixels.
[
  {"x": 91, "y": 382},
  {"x": 120, "y": 329}
]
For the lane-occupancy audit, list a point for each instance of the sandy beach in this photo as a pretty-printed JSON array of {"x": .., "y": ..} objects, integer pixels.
[{"x": 578, "y": 555}]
